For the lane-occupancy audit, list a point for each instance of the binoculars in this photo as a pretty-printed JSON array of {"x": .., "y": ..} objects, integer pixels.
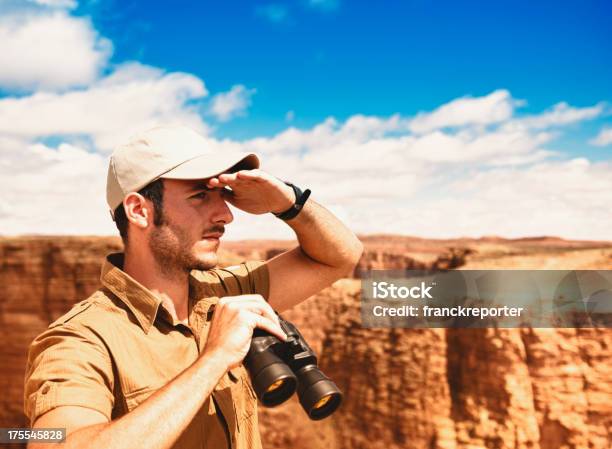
[{"x": 279, "y": 368}]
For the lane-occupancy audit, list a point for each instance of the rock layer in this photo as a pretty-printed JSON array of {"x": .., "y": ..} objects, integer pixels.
[{"x": 429, "y": 388}]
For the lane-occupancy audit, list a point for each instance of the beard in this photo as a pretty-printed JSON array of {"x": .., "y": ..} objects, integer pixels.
[{"x": 172, "y": 249}]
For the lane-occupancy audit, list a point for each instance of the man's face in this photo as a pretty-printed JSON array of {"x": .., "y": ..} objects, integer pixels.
[{"x": 194, "y": 220}]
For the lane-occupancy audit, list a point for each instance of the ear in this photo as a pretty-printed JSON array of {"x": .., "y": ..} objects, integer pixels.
[{"x": 137, "y": 211}]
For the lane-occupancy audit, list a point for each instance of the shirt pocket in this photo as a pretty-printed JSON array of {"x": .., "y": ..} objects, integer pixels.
[
  {"x": 235, "y": 399},
  {"x": 243, "y": 395}
]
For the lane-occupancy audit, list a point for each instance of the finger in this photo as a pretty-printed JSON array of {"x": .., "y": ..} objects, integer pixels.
[
  {"x": 216, "y": 184},
  {"x": 240, "y": 298},
  {"x": 235, "y": 181},
  {"x": 213, "y": 182},
  {"x": 266, "y": 310},
  {"x": 252, "y": 175},
  {"x": 258, "y": 308},
  {"x": 269, "y": 326},
  {"x": 253, "y": 303},
  {"x": 227, "y": 177},
  {"x": 254, "y": 296}
]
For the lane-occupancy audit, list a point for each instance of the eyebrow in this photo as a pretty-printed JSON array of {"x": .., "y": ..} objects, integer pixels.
[{"x": 199, "y": 186}]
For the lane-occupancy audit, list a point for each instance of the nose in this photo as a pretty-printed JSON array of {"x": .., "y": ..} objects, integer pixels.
[{"x": 222, "y": 213}]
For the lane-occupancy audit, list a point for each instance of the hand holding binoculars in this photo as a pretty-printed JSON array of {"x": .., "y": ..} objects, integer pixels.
[{"x": 277, "y": 369}]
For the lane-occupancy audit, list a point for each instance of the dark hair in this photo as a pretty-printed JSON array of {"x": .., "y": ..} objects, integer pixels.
[{"x": 154, "y": 192}]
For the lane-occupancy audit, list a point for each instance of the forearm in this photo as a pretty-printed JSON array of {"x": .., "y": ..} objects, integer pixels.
[
  {"x": 324, "y": 238},
  {"x": 157, "y": 422}
]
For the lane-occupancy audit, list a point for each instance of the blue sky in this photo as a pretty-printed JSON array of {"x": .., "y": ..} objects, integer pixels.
[
  {"x": 360, "y": 57},
  {"x": 428, "y": 118}
]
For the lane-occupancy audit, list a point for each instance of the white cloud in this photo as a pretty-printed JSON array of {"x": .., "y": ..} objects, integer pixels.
[
  {"x": 235, "y": 102},
  {"x": 368, "y": 141},
  {"x": 49, "y": 50},
  {"x": 493, "y": 108},
  {"x": 560, "y": 114},
  {"x": 68, "y": 4},
  {"x": 52, "y": 190},
  {"x": 132, "y": 98},
  {"x": 567, "y": 198},
  {"x": 603, "y": 138}
]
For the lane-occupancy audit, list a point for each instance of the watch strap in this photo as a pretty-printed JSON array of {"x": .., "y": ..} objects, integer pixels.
[{"x": 300, "y": 200}]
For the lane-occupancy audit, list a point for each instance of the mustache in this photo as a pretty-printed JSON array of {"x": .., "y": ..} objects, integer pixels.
[{"x": 217, "y": 228}]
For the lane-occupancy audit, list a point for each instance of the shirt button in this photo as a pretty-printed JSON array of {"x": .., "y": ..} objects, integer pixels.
[{"x": 45, "y": 389}]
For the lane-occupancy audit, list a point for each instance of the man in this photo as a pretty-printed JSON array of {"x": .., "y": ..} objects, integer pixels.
[{"x": 153, "y": 358}]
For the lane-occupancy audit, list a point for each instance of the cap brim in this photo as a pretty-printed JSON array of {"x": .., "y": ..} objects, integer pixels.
[{"x": 209, "y": 165}]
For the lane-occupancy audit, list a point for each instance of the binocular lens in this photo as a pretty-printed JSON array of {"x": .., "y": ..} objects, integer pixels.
[
  {"x": 319, "y": 396},
  {"x": 273, "y": 381},
  {"x": 277, "y": 392},
  {"x": 324, "y": 400},
  {"x": 275, "y": 386},
  {"x": 325, "y": 406}
]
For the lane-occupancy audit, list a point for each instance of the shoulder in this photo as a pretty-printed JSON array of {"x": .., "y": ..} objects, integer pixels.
[
  {"x": 94, "y": 310},
  {"x": 86, "y": 322}
]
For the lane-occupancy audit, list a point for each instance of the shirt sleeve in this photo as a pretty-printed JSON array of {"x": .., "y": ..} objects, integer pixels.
[
  {"x": 250, "y": 277},
  {"x": 68, "y": 365}
]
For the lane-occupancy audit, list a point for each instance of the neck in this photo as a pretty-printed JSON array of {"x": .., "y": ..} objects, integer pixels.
[{"x": 171, "y": 286}]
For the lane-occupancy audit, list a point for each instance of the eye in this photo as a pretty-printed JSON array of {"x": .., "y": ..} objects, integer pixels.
[{"x": 200, "y": 195}]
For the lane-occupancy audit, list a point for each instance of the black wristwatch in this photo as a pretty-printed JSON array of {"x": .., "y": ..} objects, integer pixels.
[{"x": 300, "y": 200}]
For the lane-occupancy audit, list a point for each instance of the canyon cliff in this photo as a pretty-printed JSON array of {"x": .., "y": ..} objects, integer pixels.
[{"x": 404, "y": 388}]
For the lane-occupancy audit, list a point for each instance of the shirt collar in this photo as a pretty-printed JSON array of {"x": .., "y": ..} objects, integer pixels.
[{"x": 140, "y": 300}]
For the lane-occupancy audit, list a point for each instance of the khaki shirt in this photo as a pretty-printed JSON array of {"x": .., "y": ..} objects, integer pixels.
[{"x": 113, "y": 350}]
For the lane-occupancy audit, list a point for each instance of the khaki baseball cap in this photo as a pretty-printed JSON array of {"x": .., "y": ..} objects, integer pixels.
[{"x": 173, "y": 152}]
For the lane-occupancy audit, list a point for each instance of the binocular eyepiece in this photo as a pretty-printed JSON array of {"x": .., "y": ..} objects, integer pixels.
[{"x": 279, "y": 368}]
